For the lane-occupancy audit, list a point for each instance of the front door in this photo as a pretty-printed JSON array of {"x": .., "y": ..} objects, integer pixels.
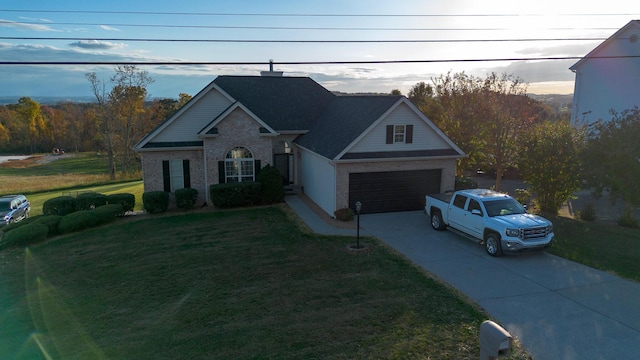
[{"x": 284, "y": 164}]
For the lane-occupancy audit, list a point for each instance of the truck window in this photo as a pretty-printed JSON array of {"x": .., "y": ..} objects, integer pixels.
[
  {"x": 459, "y": 201},
  {"x": 474, "y": 205}
]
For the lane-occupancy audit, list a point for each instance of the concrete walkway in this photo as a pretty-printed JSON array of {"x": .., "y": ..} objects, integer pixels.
[{"x": 558, "y": 309}]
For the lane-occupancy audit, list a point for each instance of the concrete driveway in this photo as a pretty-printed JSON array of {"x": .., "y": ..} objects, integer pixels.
[{"x": 558, "y": 309}]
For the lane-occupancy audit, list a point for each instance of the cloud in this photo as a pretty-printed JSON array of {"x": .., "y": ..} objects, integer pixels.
[
  {"x": 109, "y": 28},
  {"x": 25, "y": 26},
  {"x": 96, "y": 45}
]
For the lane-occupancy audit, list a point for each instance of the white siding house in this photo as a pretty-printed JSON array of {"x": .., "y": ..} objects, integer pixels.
[{"x": 608, "y": 78}]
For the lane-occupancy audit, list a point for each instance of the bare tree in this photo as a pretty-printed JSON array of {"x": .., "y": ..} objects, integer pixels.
[{"x": 98, "y": 88}]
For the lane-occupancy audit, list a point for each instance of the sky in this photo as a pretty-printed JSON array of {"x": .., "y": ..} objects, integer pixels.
[{"x": 411, "y": 41}]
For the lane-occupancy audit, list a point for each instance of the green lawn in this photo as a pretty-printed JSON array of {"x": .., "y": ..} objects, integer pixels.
[
  {"x": 246, "y": 284},
  {"x": 605, "y": 246}
]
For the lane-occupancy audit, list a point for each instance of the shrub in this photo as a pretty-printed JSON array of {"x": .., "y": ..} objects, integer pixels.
[
  {"x": 235, "y": 194},
  {"x": 344, "y": 214},
  {"x": 18, "y": 224},
  {"x": 155, "y": 201},
  {"x": 186, "y": 198},
  {"x": 26, "y": 235},
  {"x": 627, "y": 220},
  {"x": 271, "y": 185},
  {"x": 463, "y": 183},
  {"x": 61, "y": 205},
  {"x": 90, "y": 200},
  {"x": 587, "y": 213},
  {"x": 128, "y": 201},
  {"x": 51, "y": 221},
  {"x": 85, "y": 219}
]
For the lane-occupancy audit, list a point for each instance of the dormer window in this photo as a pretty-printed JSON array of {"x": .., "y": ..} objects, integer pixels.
[{"x": 399, "y": 134}]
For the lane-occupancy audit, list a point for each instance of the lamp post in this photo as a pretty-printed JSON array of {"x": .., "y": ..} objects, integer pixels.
[{"x": 358, "y": 208}]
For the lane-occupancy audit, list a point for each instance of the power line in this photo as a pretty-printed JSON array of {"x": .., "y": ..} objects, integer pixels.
[
  {"x": 296, "y": 41},
  {"x": 296, "y": 28},
  {"x": 363, "y": 62},
  {"x": 305, "y": 14}
]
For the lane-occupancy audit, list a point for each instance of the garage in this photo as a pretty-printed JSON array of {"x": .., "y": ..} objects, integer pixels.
[{"x": 390, "y": 191}]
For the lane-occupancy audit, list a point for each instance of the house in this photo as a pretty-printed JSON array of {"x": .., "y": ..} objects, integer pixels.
[
  {"x": 379, "y": 150},
  {"x": 608, "y": 78}
]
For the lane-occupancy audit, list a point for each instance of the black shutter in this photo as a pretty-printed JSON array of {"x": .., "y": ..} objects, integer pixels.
[
  {"x": 409, "y": 135},
  {"x": 389, "y": 134},
  {"x": 166, "y": 176},
  {"x": 256, "y": 166},
  {"x": 222, "y": 178},
  {"x": 186, "y": 174}
]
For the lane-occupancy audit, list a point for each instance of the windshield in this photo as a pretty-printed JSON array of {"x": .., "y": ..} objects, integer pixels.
[
  {"x": 5, "y": 206},
  {"x": 503, "y": 207}
]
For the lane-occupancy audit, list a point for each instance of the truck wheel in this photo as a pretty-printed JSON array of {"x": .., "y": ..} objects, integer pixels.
[
  {"x": 492, "y": 244},
  {"x": 436, "y": 221}
]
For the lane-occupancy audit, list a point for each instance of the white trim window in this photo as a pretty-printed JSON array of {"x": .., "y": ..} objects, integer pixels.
[
  {"x": 239, "y": 165},
  {"x": 398, "y": 133},
  {"x": 176, "y": 173}
]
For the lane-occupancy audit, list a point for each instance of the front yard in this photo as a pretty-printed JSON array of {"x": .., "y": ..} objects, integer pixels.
[{"x": 240, "y": 284}]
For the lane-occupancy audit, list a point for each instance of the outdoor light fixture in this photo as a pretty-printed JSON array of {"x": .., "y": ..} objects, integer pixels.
[{"x": 358, "y": 208}]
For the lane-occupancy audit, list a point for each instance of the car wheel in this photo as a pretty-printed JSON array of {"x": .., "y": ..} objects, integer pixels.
[
  {"x": 26, "y": 214},
  {"x": 436, "y": 221},
  {"x": 493, "y": 245}
]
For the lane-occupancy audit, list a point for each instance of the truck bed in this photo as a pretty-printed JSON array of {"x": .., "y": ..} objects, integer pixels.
[{"x": 446, "y": 197}]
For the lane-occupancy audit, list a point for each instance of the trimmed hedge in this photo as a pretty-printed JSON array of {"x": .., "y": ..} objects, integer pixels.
[
  {"x": 271, "y": 180},
  {"x": 85, "y": 219},
  {"x": 90, "y": 200},
  {"x": 61, "y": 205},
  {"x": 128, "y": 201},
  {"x": 235, "y": 194},
  {"x": 186, "y": 198},
  {"x": 26, "y": 235},
  {"x": 155, "y": 201},
  {"x": 51, "y": 221}
]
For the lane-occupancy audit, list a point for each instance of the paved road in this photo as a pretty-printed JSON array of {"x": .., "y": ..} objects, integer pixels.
[{"x": 558, "y": 309}]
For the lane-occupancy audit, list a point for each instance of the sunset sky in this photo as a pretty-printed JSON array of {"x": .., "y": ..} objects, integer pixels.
[{"x": 435, "y": 36}]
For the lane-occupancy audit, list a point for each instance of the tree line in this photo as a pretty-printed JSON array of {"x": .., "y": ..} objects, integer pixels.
[
  {"x": 500, "y": 127},
  {"x": 120, "y": 116}
]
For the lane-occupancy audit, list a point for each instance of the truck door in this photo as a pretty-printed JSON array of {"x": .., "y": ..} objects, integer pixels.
[
  {"x": 474, "y": 223},
  {"x": 456, "y": 213}
]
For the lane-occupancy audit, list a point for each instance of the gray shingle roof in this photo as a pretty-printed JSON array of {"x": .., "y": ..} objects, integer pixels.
[
  {"x": 284, "y": 103},
  {"x": 343, "y": 121}
]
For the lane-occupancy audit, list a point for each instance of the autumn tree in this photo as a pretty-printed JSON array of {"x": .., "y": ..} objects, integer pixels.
[
  {"x": 120, "y": 112},
  {"x": 127, "y": 102},
  {"x": 549, "y": 159},
  {"x": 509, "y": 114},
  {"x": 611, "y": 158},
  {"x": 30, "y": 124}
]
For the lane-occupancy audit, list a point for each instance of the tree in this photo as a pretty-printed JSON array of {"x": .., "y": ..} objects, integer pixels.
[
  {"x": 611, "y": 158},
  {"x": 549, "y": 159},
  {"x": 127, "y": 100},
  {"x": 120, "y": 112},
  {"x": 32, "y": 123},
  {"x": 510, "y": 113},
  {"x": 107, "y": 126}
]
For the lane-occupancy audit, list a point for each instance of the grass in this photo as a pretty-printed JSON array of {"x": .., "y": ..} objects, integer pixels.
[
  {"x": 602, "y": 245},
  {"x": 243, "y": 284},
  {"x": 69, "y": 171},
  {"x": 131, "y": 187}
]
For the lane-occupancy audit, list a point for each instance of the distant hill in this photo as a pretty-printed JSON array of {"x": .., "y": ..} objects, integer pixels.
[
  {"x": 47, "y": 100},
  {"x": 559, "y": 102}
]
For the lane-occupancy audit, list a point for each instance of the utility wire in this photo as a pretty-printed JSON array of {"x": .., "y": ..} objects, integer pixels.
[
  {"x": 296, "y": 41},
  {"x": 296, "y": 28},
  {"x": 304, "y": 14},
  {"x": 192, "y": 63}
]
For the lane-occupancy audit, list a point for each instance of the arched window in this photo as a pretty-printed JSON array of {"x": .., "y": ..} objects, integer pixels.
[{"x": 239, "y": 165}]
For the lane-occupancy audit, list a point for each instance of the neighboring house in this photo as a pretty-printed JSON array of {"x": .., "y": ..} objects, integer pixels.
[
  {"x": 608, "y": 78},
  {"x": 379, "y": 150}
]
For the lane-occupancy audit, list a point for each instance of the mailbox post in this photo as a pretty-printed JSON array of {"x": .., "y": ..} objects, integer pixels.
[{"x": 495, "y": 341}]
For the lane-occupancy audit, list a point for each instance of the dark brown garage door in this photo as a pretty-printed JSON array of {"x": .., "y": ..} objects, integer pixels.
[{"x": 392, "y": 190}]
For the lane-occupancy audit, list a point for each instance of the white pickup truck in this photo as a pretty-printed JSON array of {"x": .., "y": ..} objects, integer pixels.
[{"x": 496, "y": 219}]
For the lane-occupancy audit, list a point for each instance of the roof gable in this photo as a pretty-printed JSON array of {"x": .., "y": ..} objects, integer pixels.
[
  {"x": 344, "y": 120},
  {"x": 284, "y": 103},
  {"x": 608, "y": 48}
]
